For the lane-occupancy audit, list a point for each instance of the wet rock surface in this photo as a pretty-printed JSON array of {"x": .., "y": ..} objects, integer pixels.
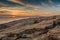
[{"x": 47, "y": 28}]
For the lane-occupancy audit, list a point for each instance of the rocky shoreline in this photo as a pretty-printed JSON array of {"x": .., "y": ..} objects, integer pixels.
[{"x": 37, "y": 28}]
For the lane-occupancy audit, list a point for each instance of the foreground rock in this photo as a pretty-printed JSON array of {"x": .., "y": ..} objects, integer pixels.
[{"x": 46, "y": 28}]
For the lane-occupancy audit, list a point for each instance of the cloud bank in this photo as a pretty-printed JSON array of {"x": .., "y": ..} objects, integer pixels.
[{"x": 30, "y": 7}]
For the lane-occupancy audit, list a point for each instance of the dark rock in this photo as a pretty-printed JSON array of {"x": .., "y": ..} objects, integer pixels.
[{"x": 38, "y": 29}]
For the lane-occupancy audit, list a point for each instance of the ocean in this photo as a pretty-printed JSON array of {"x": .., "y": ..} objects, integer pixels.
[{"x": 6, "y": 20}]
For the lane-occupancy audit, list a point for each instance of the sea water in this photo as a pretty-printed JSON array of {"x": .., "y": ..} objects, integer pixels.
[{"x": 6, "y": 20}]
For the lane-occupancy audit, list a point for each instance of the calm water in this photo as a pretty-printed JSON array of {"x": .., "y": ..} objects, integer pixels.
[{"x": 5, "y": 20}]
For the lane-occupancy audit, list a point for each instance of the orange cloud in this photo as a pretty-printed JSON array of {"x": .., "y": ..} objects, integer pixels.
[
  {"x": 31, "y": 13},
  {"x": 21, "y": 12}
]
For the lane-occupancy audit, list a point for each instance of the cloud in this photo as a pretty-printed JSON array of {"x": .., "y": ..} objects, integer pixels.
[
  {"x": 25, "y": 5},
  {"x": 6, "y": 3},
  {"x": 29, "y": 7},
  {"x": 37, "y": 2},
  {"x": 21, "y": 12},
  {"x": 29, "y": 3}
]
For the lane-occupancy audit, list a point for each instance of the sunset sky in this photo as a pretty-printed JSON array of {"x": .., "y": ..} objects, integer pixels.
[{"x": 30, "y": 7}]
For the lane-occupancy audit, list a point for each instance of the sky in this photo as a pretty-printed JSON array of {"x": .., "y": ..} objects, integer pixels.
[{"x": 30, "y": 7}]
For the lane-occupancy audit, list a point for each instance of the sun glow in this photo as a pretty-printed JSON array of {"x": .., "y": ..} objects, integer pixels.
[{"x": 20, "y": 12}]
